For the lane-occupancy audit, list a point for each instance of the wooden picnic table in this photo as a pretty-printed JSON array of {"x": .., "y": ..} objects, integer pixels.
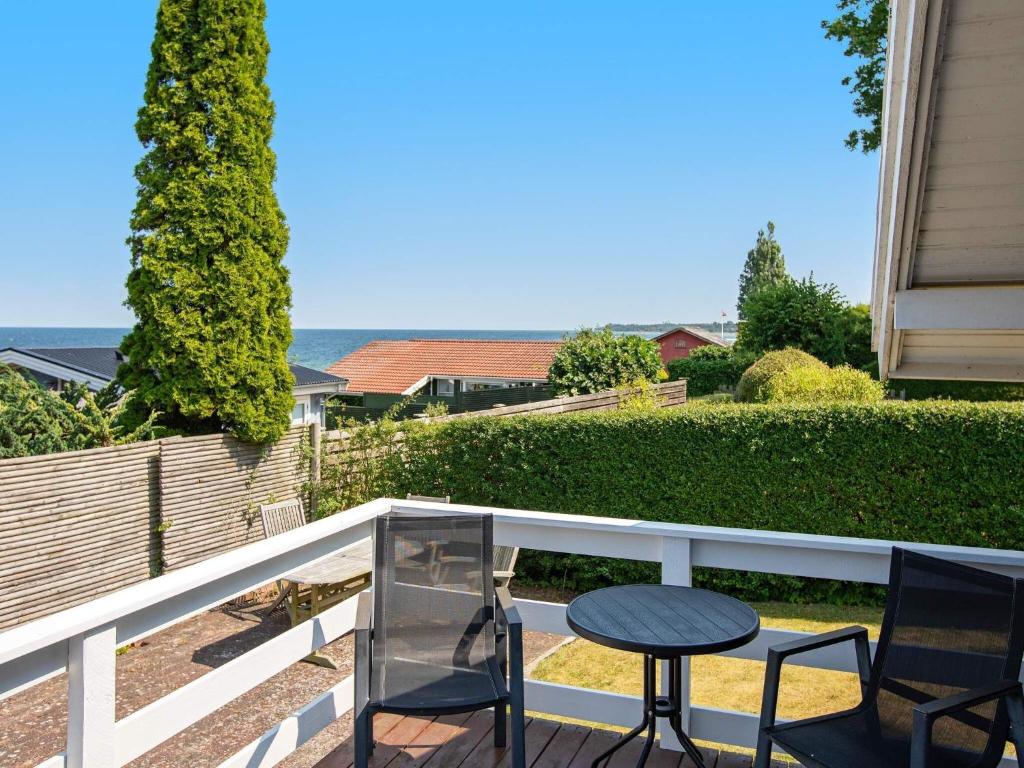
[{"x": 328, "y": 581}]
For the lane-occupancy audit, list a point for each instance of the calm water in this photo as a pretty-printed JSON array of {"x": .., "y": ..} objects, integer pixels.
[{"x": 314, "y": 347}]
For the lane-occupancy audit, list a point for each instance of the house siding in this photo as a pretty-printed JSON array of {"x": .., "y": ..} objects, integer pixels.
[{"x": 679, "y": 344}]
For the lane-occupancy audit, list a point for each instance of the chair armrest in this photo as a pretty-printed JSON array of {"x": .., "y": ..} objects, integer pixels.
[
  {"x": 958, "y": 702},
  {"x": 926, "y": 714},
  {"x": 506, "y": 607},
  {"x": 803, "y": 644},
  {"x": 778, "y": 653},
  {"x": 363, "y": 652},
  {"x": 364, "y": 608}
]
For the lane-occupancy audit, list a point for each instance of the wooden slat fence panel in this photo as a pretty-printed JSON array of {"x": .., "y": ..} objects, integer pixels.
[
  {"x": 76, "y": 525},
  {"x": 210, "y": 489}
]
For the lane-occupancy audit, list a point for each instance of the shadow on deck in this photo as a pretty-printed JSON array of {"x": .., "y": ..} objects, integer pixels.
[{"x": 465, "y": 741}]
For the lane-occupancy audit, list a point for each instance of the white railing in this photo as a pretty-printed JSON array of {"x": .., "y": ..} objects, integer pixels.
[{"x": 83, "y": 639}]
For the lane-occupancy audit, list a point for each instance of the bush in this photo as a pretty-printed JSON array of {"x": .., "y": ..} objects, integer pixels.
[
  {"x": 810, "y": 316},
  {"x": 805, "y": 384},
  {"x": 35, "y": 421},
  {"x": 753, "y": 383},
  {"x": 598, "y": 360},
  {"x": 975, "y": 391},
  {"x": 710, "y": 368},
  {"x": 945, "y": 473}
]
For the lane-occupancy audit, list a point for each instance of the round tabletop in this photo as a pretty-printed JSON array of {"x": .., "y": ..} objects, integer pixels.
[{"x": 663, "y": 620}]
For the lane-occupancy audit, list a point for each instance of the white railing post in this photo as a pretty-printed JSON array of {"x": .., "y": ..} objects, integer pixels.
[
  {"x": 676, "y": 568},
  {"x": 91, "y": 719}
]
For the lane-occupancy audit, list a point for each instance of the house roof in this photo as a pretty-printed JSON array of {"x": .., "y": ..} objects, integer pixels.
[
  {"x": 308, "y": 377},
  {"x": 710, "y": 338},
  {"x": 399, "y": 367},
  {"x": 102, "y": 363},
  {"x": 948, "y": 293},
  {"x": 97, "y": 362}
]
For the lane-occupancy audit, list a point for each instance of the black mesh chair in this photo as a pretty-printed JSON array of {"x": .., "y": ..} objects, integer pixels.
[
  {"x": 943, "y": 690},
  {"x": 441, "y": 638}
]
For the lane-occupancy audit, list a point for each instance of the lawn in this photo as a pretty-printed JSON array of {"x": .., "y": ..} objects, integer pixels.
[{"x": 728, "y": 683}]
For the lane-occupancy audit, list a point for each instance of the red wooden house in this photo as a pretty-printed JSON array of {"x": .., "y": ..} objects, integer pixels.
[{"x": 679, "y": 342}]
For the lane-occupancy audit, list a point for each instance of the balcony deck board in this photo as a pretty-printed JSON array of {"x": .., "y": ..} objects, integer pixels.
[{"x": 465, "y": 741}]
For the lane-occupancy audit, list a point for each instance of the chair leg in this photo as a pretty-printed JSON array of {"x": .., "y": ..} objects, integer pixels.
[
  {"x": 363, "y": 738},
  {"x": 763, "y": 757},
  {"x": 500, "y": 724},
  {"x": 1015, "y": 712}
]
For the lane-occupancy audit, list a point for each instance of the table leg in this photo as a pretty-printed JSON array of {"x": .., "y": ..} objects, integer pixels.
[
  {"x": 675, "y": 718},
  {"x": 655, "y": 706},
  {"x": 650, "y": 704},
  {"x": 314, "y": 608}
]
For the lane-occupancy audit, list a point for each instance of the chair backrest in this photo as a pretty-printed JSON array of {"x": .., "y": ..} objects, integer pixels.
[
  {"x": 433, "y": 593},
  {"x": 947, "y": 628},
  {"x": 504, "y": 557},
  {"x": 438, "y": 499},
  {"x": 282, "y": 516}
]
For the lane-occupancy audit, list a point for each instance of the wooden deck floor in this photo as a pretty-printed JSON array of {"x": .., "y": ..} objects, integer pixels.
[{"x": 465, "y": 741}]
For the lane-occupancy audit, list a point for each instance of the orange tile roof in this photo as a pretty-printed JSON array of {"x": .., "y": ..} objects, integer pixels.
[{"x": 394, "y": 367}]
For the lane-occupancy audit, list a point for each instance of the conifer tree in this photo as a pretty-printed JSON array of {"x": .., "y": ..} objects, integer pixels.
[
  {"x": 211, "y": 296},
  {"x": 765, "y": 266}
]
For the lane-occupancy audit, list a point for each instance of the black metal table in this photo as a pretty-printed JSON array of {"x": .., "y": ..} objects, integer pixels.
[{"x": 662, "y": 622}]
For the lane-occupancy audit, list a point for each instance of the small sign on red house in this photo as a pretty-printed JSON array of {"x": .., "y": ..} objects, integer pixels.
[{"x": 679, "y": 342}]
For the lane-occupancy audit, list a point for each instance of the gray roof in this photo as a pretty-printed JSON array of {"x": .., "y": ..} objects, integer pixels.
[
  {"x": 98, "y": 362},
  {"x": 305, "y": 377},
  {"x": 102, "y": 362}
]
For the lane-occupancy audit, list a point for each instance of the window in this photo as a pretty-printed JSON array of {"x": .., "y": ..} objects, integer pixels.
[
  {"x": 680, "y": 343},
  {"x": 299, "y": 412},
  {"x": 444, "y": 387}
]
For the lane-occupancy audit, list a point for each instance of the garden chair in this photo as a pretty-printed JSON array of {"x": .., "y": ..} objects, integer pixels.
[
  {"x": 943, "y": 688},
  {"x": 433, "y": 648},
  {"x": 278, "y": 518},
  {"x": 504, "y": 557}
]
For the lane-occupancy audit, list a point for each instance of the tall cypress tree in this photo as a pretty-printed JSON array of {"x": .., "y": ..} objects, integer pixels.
[
  {"x": 765, "y": 266},
  {"x": 209, "y": 349}
]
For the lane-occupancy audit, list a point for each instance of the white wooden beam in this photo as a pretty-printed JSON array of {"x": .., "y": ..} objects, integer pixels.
[
  {"x": 144, "y": 729},
  {"x": 290, "y": 734},
  {"x": 954, "y": 309},
  {"x": 91, "y": 739}
]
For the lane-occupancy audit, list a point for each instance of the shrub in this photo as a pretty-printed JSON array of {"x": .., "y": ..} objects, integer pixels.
[
  {"x": 976, "y": 391},
  {"x": 753, "y": 383},
  {"x": 946, "y": 473},
  {"x": 710, "y": 368},
  {"x": 810, "y": 384},
  {"x": 35, "y": 421},
  {"x": 810, "y": 316},
  {"x": 598, "y": 360}
]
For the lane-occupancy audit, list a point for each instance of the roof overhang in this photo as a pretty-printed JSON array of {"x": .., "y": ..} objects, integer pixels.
[
  {"x": 327, "y": 388},
  {"x": 948, "y": 283},
  {"x": 30, "y": 362}
]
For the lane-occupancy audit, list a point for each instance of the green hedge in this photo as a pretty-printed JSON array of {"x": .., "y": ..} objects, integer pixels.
[
  {"x": 705, "y": 375},
  {"x": 940, "y": 472}
]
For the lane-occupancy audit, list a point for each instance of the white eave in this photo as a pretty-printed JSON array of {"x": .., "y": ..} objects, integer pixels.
[{"x": 948, "y": 289}]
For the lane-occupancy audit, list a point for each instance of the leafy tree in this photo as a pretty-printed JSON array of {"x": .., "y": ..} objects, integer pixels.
[
  {"x": 765, "y": 266},
  {"x": 35, "y": 421},
  {"x": 863, "y": 26},
  {"x": 709, "y": 368},
  {"x": 598, "y": 360},
  {"x": 857, "y": 339},
  {"x": 803, "y": 314},
  {"x": 209, "y": 350}
]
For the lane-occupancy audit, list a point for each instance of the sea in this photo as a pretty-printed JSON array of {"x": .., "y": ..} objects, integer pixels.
[{"x": 312, "y": 347}]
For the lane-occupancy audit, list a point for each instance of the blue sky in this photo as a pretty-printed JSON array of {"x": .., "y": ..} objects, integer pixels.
[{"x": 462, "y": 164}]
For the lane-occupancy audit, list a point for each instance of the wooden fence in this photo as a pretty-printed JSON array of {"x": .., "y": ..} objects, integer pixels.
[
  {"x": 77, "y": 525},
  {"x": 211, "y": 487}
]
